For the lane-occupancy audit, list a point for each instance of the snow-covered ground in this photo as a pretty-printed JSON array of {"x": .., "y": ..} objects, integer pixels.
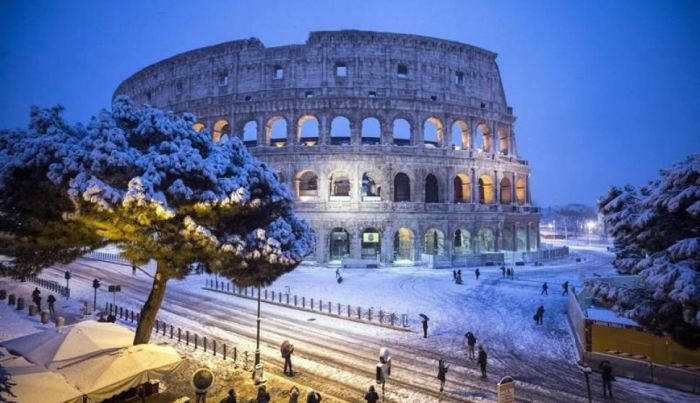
[{"x": 338, "y": 357}]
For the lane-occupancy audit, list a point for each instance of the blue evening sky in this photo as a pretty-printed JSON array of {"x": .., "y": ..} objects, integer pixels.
[{"x": 606, "y": 92}]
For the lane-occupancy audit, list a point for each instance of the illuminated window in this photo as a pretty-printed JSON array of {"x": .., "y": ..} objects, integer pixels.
[
  {"x": 341, "y": 70},
  {"x": 308, "y": 94},
  {"x": 279, "y": 73},
  {"x": 402, "y": 71},
  {"x": 372, "y": 94}
]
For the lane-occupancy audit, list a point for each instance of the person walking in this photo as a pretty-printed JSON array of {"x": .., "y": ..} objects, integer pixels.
[
  {"x": 477, "y": 273},
  {"x": 606, "y": 372},
  {"x": 471, "y": 342},
  {"x": 230, "y": 397},
  {"x": 442, "y": 373},
  {"x": 37, "y": 302},
  {"x": 287, "y": 349},
  {"x": 313, "y": 397},
  {"x": 424, "y": 321},
  {"x": 133, "y": 270},
  {"x": 51, "y": 300},
  {"x": 337, "y": 273},
  {"x": 565, "y": 286},
  {"x": 454, "y": 275},
  {"x": 459, "y": 277},
  {"x": 503, "y": 271},
  {"x": 294, "y": 394},
  {"x": 512, "y": 273},
  {"x": 545, "y": 287},
  {"x": 539, "y": 315},
  {"x": 371, "y": 396},
  {"x": 263, "y": 395},
  {"x": 482, "y": 361}
]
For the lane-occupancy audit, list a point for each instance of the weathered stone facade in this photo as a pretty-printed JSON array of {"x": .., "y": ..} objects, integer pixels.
[{"x": 404, "y": 138}]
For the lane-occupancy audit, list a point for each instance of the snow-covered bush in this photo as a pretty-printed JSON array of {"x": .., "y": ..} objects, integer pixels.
[{"x": 657, "y": 236}]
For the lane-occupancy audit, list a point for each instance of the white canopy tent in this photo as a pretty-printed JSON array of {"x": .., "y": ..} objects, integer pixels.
[
  {"x": 56, "y": 348},
  {"x": 33, "y": 383}
]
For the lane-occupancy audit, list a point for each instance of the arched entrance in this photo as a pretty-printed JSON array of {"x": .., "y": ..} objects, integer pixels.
[
  {"x": 485, "y": 240},
  {"x": 434, "y": 242},
  {"x": 403, "y": 245},
  {"x": 339, "y": 244},
  {"x": 462, "y": 242},
  {"x": 371, "y": 244}
]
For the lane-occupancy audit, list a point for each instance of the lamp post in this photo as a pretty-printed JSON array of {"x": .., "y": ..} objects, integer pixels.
[
  {"x": 590, "y": 225},
  {"x": 258, "y": 375}
]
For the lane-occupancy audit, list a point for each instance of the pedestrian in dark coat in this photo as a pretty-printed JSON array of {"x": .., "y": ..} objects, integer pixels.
[
  {"x": 263, "y": 395},
  {"x": 454, "y": 275},
  {"x": 294, "y": 394},
  {"x": 477, "y": 273},
  {"x": 471, "y": 342},
  {"x": 230, "y": 398},
  {"x": 36, "y": 292},
  {"x": 503, "y": 271},
  {"x": 539, "y": 315},
  {"x": 459, "y": 277},
  {"x": 371, "y": 396},
  {"x": 545, "y": 287},
  {"x": 133, "y": 270},
  {"x": 337, "y": 273},
  {"x": 37, "y": 302},
  {"x": 313, "y": 397},
  {"x": 565, "y": 286},
  {"x": 425, "y": 328},
  {"x": 287, "y": 350},
  {"x": 442, "y": 373},
  {"x": 482, "y": 361},
  {"x": 606, "y": 372},
  {"x": 51, "y": 300}
]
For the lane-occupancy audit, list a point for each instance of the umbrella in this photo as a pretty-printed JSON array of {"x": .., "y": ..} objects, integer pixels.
[
  {"x": 424, "y": 316},
  {"x": 55, "y": 348},
  {"x": 32, "y": 383}
]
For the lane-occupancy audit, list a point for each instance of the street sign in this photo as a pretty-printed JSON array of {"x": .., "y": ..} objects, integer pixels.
[
  {"x": 115, "y": 288},
  {"x": 506, "y": 390},
  {"x": 67, "y": 275}
]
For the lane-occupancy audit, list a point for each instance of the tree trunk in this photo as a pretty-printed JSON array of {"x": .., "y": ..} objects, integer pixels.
[{"x": 151, "y": 307}]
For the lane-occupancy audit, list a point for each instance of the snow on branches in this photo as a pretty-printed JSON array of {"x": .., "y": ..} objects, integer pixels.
[{"x": 657, "y": 236}]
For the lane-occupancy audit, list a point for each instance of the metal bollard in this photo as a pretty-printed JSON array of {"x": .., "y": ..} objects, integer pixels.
[
  {"x": 3, "y": 294},
  {"x": 20, "y": 304},
  {"x": 303, "y": 302},
  {"x": 44, "y": 317},
  {"x": 312, "y": 304},
  {"x": 179, "y": 334},
  {"x": 359, "y": 313},
  {"x": 32, "y": 310},
  {"x": 204, "y": 343},
  {"x": 60, "y": 321},
  {"x": 214, "y": 347},
  {"x": 338, "y": 308},
  {"x": 11, "y": 300},
  {"x": 195, "y": 341}
]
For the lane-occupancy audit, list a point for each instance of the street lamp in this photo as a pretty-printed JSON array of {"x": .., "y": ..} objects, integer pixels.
[{"x": 590, "y": 225}]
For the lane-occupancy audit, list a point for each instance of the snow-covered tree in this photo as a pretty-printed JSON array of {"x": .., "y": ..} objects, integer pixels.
[
  {"x": 657, "y": 235},
  {"x": 143, "y": 179}
]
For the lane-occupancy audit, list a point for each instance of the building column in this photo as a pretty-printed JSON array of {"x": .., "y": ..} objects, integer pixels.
[
  {"x": 355, "y": 132},
  {"x": 497, "y": 185},
  {"x": 262, "y": 141},
  {"x": 527, "y": 237},
  {"x": 472, "y": 133},
  {"x": 512, "y": 189},
  {"x": 475, "y": 187},
  {"x": 324, "y": 129},
  {"x": 416, "y": 133},
  {"x": 494, "y": 137},
  {"x": 292, "y": 130},
  {"x": 527, "y": 188}
]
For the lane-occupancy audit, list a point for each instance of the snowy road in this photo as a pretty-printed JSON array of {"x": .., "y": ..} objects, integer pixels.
[{"x": 338, "y": 357}]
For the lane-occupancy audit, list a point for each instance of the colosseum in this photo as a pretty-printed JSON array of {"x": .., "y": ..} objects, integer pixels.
[{"x": 400, "y": 149}]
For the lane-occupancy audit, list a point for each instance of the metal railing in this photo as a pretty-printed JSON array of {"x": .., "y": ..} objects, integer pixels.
[{"x": 50, "y": 285}]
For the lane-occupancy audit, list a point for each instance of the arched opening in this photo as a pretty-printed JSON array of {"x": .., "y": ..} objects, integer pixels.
[
  {"x": 503, "y": 141},
  {"x": 221, "y": 128},
  {"x": 460, "y": 135},
  {"x": 198, "y": 127},
  {"x": 339, "y": 244},
  {"x": 462, "y": 242},
  {"x": 403, "y": 245},
  {"x": 506, "y": 196},
  {"x": 484, "y": 134},
  {"x": 432, "y": 132},
  {"x": 250, "y": 134},
  {"x": 307, "y": 185},
  {"x": 402, "y": 188},
  {"x": 307, "y": 130},
  {"x": 402, "y": 132},
  {"x": 486, "y": 195},
  {"x": 521, "y": 238},
  {"x": 371, "y": 131},
  {"x": 485, "y": 240},
  {"x": 533, "y": 237},
  {"x": 276, "y": 131},
  {"x": 434, "y": 242},
  {"x": 432, "y": 194},
  {"x": 340, "y": 186},
  {"x": 507, "y": 238},
  {"x": 462, "y": 188},
  {"x": 370, "y": 245},
  {"x": 340, "y": 131},
  {"x": 371, "y": 187},
  {"x": 521, "y": 191}
]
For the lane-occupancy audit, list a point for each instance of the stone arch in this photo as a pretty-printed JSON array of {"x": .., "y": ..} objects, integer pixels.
[
  {"x": 370, "y": 244},
  {"x": 339, "y": 185},
  {"x": 485, "y": 240},
  {"x": 432, "y": 189},
  {"x": 432, "y": 132},
  {"x": 371, "y": 131},
  {"x": 401, "y": 132},
  {"x": 434, "y": 242},
  {"x": 250, "y": 133},
  {"x": 507, "y": 238},
  {"x": 198, "y": 127},
  {"x": 486, "y": 190},
  {"x": 505, "y": 190},
  {"x": 307, "y": 130},
  {"x": 339, "y": 244},
  {"x": 483, "y": 133},
  {"x": 462, "y": 242},
  {"x": 521, "y": 190},
  {"x": 276, "y": 131},
  {"x": 460, "y": 135},
  {"x": 340, "y": 131},
  {"x": 402, "y": 188},
  {"x": 371, "y": 186},
  {"x": 221, "y": 128},
  {"x": 462, "y": 188},
  {"x": 306, "y": 185},
  {"x": 404, "y": 248},
  {"x": 521, "y": 238},
  {"x": 503, "y": 141}
]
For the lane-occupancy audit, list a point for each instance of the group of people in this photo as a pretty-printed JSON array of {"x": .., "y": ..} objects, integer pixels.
[
  {"x": 564, "y": 287},
  {"x": 263, "y": 396},
  {"x": 51, "y": 300},
  {"x": 507, "y": 272},
  {"x": 457, "y": 276},
  {"x": 481, "y": 359}
]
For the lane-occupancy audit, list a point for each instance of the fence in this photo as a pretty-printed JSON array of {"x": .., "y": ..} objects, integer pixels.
[
  {"x": 107, "y": 257},
  {"x": 337, "y": 310},
  {"x": 186, "y": 337},
  {"x": 50, "y": 285},
  {"x": 546, "y": 254}
]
